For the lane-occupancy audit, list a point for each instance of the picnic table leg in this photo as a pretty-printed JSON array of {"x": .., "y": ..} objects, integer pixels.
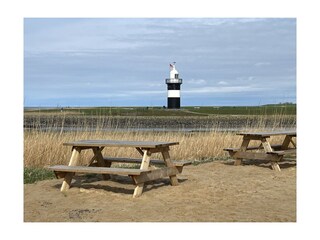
[
  {"x": 267, "y": 147},
  {"x": 167, "y": 160},
  {"x": 91, "y": 162},
  {"x": 140, "y": 151},
  {"x": 287, "y": 140},
  {"x": 73, "y": 162},
  {"x": 144, "y": 166},
  {"x": 243, "y": 148},
  {"x": 101, "y": 162}
]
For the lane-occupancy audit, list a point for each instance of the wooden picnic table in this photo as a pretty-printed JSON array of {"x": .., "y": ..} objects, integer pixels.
[
  {"x": 264, "y": 151},
  {"x": 102, "y": 165}
]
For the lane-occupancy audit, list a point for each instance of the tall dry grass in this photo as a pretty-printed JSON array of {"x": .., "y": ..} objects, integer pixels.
[{"x": 45, "y": 147}]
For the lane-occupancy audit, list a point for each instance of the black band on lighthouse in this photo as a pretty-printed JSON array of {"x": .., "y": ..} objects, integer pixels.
[
  {"x": 174, "y": 86},
  {"x": 173, "y": 102}
]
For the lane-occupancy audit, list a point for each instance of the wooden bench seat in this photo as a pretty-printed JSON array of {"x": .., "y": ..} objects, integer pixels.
[
  {"x": 152, "y": 161},
  {"x": 139, "y": 176},
  {"x": 62, "y": 170},
  {"x": 276, "y": 146},
  {"x": 273, "y": 156},
  {"x": 284, "y": 152},
  {"x": 280, "y": 152}
]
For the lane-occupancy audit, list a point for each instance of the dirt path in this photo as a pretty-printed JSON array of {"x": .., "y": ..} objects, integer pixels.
[{"x": 211, "y": 192}]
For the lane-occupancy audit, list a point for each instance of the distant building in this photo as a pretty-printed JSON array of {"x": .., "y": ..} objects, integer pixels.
[{"x": 173, "y": 84}]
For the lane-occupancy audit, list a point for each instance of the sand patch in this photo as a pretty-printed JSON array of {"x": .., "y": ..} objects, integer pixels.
[{"x": 211, "y": 192}]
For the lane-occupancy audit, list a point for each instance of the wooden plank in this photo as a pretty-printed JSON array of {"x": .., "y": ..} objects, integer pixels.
[
  {"x": 244, "y": 144},
  {"x": 157, "y": 150},
  {"x": 152, "y": 161},
  {"x": 274, "y": 146},
  {"x": 91, "y": 162},
  {"x": 253, "y": 137},
  {"x": 145, "y": 160},
  {"x": 140, "y": 151},
  {"x": 286, "y": 142},
  {"x": 266, "y": 145},
  {"x": 275, "y": 166},
  {"x": 98, "y": 156},
  {"x": 243, "y": 147},
  {"x": 256, "y": 155},
  {"x": 279, "y": 153},
  {"x": 97, "y": 170},
  {"x": 268, "y": 134},
  {"x": 169, "y": 163},
  {"x": 118, "y": 143},
  {"x": 155, "y": 174},
  {"x": 144, "y": 166},
  {"x": 68, "y": 177},
  {"x": 100, "y": 160},
  {"x": 284, "y": 152}
]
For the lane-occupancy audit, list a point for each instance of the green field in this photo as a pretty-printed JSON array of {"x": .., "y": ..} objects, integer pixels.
[{"x": 285, "y": 109}]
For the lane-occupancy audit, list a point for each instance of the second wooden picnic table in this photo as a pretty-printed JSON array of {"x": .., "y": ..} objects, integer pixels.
[
  {"x": 264, "y": 151},
  {"x": 101, "y": 165}
]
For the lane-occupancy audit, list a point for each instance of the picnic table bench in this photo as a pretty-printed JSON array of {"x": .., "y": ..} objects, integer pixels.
[
  {"x": 264, "y": 151},
  {"x": 102, "y": 165}
]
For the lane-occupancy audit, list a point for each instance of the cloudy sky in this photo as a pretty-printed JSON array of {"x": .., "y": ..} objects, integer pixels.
[{"x": 124, "y": 61}]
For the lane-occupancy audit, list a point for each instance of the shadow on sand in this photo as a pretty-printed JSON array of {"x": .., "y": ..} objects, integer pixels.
[
  {"x": 285, "y": 163},
  {"x": 92, "y": 182}
]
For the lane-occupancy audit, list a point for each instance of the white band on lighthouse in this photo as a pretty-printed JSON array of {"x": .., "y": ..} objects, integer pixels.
[{"x": 173, "y": 93}]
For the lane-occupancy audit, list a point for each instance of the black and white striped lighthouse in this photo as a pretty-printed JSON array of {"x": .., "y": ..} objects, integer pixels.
[{"x": 173, "y": 83}]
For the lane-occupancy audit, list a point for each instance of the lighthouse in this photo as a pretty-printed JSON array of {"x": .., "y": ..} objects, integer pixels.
[{"x": 173, "y": 84}]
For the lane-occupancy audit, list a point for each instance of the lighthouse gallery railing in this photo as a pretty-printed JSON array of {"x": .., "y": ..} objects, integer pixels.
[{"x": 172, "y": 80}]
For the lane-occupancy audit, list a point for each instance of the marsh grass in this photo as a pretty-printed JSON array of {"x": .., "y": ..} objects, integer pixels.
[{"x": 43, "y": 144}]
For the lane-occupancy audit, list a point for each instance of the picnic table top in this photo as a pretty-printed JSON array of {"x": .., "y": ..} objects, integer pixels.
[
  {"x": 119, "y": 143},
  {"x": 267, "y": 134}
]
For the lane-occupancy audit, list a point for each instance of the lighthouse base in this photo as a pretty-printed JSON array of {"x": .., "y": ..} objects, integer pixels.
[{"x": 174, "y": 103}]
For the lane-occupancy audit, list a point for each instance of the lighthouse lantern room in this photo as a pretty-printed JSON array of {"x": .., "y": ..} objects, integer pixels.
[{"x": 173, "y": 84}]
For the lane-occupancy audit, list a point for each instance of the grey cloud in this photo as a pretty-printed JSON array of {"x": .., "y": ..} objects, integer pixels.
[{"x": 222, "y": 55}]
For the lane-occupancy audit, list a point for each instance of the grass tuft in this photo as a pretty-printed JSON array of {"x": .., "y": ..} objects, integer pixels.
[{"x": 32, "y": 174}]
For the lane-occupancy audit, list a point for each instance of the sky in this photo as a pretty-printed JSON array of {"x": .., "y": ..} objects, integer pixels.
[{"x": 124, "y": 61}]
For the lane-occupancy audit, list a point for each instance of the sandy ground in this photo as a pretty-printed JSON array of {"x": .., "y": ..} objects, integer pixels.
[{"x": 210, "y": 192}]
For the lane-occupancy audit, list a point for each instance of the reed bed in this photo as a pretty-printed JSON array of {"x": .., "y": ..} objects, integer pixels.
[{"x": 43, "y": 143}]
